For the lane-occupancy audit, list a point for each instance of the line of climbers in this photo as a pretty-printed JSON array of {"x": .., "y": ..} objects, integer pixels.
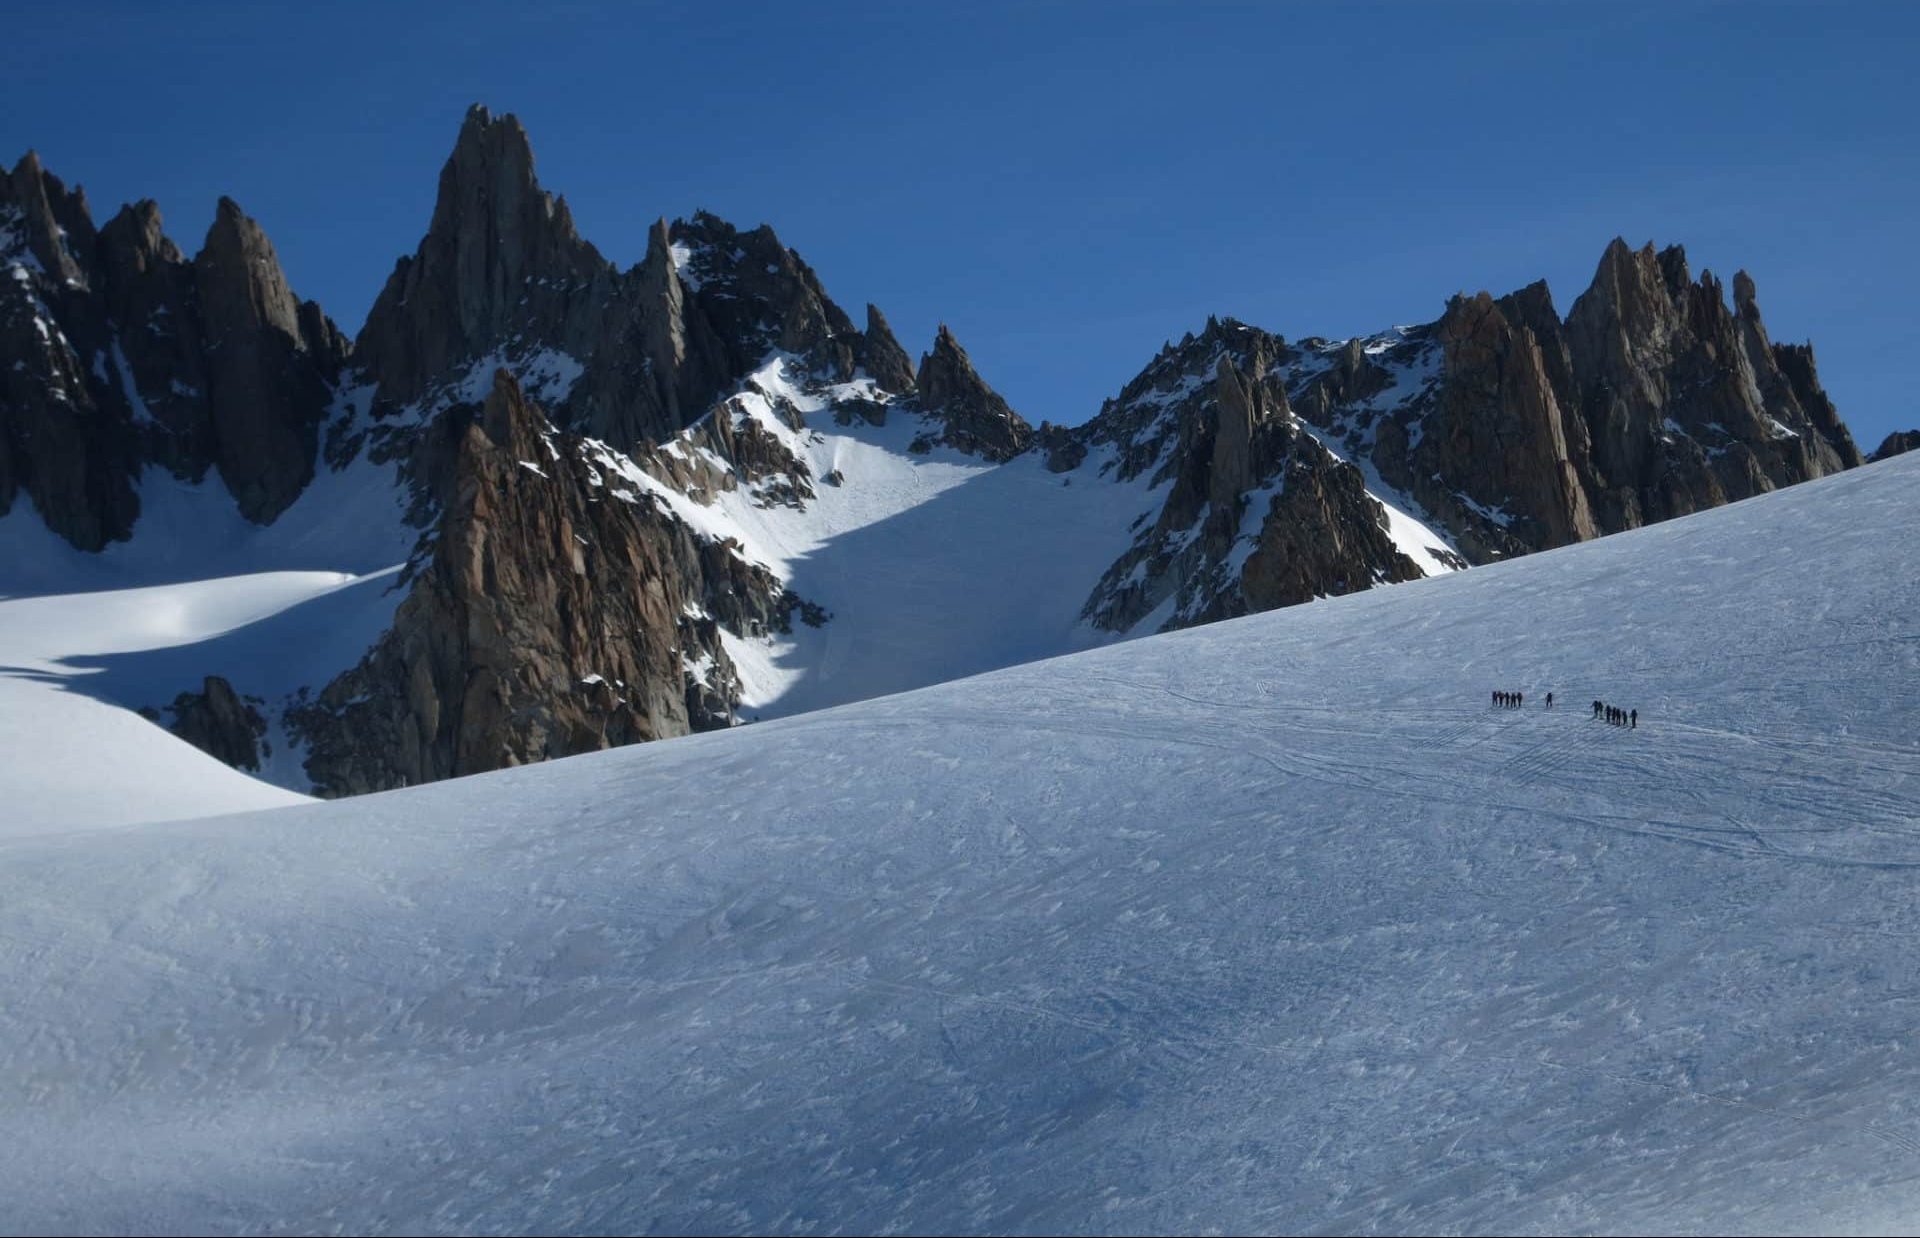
[{"x": 1616, "y": 716}]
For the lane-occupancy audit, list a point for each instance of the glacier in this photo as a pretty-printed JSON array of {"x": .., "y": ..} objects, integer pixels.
[{"x": 1271, "y": 925}]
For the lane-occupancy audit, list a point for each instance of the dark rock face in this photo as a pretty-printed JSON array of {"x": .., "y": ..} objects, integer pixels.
[
  {"x": 1501, "y": 426},
  {"x": 270, "y": 366},
  {"x": 1516, "y": 431},
  {"x": 555, "y": 604},
  {"x": 1498, "y": 433},
  {"x": 503, "y": 278},
  {"x": 500, "y": 257},
  {"x": 758, "y": 297},
  {"x": 217, "y": 722},
  {"x": 117, "y": 352},
  {"x": 1687, "y": 403},
  {"x": 65, "y": 439},
  {"x": 1898, "y": 443},
  {"x": 972, "y": 416},
  {"x": 884, "y": 360},
  {"x": 1320, "y": 536},
  {"x": 553, "y": 614},
  {"x": 1258, "y": 514}
]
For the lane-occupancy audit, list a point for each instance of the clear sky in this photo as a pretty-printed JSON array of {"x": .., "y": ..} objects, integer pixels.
[{"x": 1067, "y": 185}]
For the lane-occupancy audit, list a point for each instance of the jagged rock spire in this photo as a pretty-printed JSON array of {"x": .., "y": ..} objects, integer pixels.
[
  {"x": 1898, "y": 443},
  {"x": 122, "y": 353},
  {"x": 500, "y": 259},
  {"x": 57, "y": 225},
  {"x": 976, "y": 418},
  {"x": 269, "y": 359},
  {"x": 884, "y": 360}
]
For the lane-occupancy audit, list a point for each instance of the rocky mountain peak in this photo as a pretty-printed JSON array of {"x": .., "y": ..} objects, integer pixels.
[
  {"x": 885, "y": 361},
  {"x": 137, "y": 233},
  {"x": 1672, "y": 262},
  {"x": 1629, "y": 294},
  {"x": 55, "y": 225},
  {"x": 1499, "y": 431},
  {"x": 1896, "y": 444},
  {"x": 500, "y": 259},
  {"x": 270, "y": 361},
  {"x": 1239, "y": 410},
  {"x": 976, "y": 419},
  {"x": 545, "y": 616},
  {"x": 125, "y": 354},
  {"x": 240, "y": 277},
  {"x": 759, "y": 295}
]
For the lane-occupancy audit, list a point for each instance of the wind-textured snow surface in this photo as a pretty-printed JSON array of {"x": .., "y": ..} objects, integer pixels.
[{"x": 1266, "y": 926}]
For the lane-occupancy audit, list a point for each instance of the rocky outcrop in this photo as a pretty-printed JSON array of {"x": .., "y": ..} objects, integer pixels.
[
  {"x": 503, "y": 278},
  {"x": 1687, "y": 403},
  {"x": 1321, "y": 536},
  {"x": 1515, "y": 431},
  {"x": 150, "y": 290},
  {"x": 971, "y": 416},
  {"x": 882, "y": 357},
  {"x": 1898, "y": 443},
  {"x": 64, "y": 443},
  {"x": 552, "y": 613},
  {"x": 1501, "y": 426},
  {"x": 1257, "y": 514},
  {"x": 760, "y": 297},
  {"x": 219, "y": 723},
  {"x": 271, "y": 362},
  {"x": 1497, "y": 433},
  {"x": 532, "y": 401},
  {"x": 118, "y": 352},
  {"x": 500, "y": 261}
]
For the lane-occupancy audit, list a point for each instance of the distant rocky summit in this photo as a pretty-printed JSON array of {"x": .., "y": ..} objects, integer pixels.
[
  {"x": 605, "y": 474},
  {"x": 1897, "y": 443}
]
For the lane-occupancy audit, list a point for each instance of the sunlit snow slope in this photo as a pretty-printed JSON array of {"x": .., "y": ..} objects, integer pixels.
[{"x": 1270, "y": 925}]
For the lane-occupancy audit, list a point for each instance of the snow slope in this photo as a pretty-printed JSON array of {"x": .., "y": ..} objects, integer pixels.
[
  {"x": 73, "y": 667},
  {"x": 933, "y": 564},
  {"x": 1270, "y": 925}
]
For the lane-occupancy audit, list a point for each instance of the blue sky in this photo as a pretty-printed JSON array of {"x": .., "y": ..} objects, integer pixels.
[{"x": 1067, "y": 185}]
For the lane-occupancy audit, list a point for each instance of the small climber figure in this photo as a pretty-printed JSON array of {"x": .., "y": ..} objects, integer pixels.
[
  {"x": 1496, "y": 698},
  {"x": 1597, "y": 707},
  {"x": 1549, "y": 700},
  {"x": 1633, "y": 719},
  {"x": 1519, "y": 700}
]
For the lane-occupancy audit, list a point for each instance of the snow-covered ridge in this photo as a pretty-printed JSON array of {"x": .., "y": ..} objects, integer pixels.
[
  {"x": 1267, "y": 925},
  {"x": 932, "y": 563}
]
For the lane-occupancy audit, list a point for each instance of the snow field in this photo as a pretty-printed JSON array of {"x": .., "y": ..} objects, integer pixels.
[{"x": 1267, "y": 926}]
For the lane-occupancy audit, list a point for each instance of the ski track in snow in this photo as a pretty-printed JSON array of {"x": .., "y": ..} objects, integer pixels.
[{"x": 1266, "y": 926}]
